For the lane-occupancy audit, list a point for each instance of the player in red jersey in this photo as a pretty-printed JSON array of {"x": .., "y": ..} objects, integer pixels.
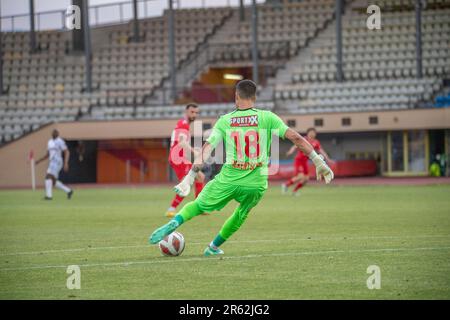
[
  {"x": 301, "y": 172},
  {"x": 179, "y": 155}
]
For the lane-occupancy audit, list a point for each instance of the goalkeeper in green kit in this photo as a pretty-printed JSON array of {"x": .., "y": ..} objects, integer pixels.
[{"x": 246, "y": 133}]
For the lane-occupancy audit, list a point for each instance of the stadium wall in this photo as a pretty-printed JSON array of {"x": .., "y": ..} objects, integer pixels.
[
  {"x": 132, "y": 161},
  {"x": 342, "y": 144},
  {"x": 15, "y": 166},
  {"x": 387, "y": 120},
  {"x": 14, "y": 158}
]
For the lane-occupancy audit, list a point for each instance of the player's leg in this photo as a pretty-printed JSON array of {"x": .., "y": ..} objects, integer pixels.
[
  {"x": 214, "y": 196},
  {"x": 232, "y": 224},
  {"x": 304, "y": 179},
  {"x": 247, "y": 198},
  {"x": 49, "y": 181},
  {"x": 285, "y": 186},
  {"x": 199, "y": 183},
  {"x": 173, "y": 206},
  {"x": 301, "y": 183},
  {"x": 299, "y": 176},
  {"x": 180, "y": 170},
  {"x": 295, "y": 178},
  {"x": 188, "y": 211},
  {"x": 52, "y": 175},
  {"x": 63, "y": 187}
]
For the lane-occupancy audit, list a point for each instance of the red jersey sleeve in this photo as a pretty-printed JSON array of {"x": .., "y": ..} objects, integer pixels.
[{"x": 316, "y": 145}]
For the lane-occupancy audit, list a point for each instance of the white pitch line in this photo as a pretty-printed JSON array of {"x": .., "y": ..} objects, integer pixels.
[
  {"x": 231, "y": 241},
  {"x": 69, "y": 250},
  {"x": 251, "y": 256}
]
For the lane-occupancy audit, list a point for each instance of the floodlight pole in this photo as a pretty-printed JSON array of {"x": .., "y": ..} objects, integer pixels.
[
  {"x": 32, "y": 28},
  {"x": 87, "y": 45},
  {"x": 172, "y": 51},
  {"x": 1, "y": 57},
  {"x": 419, "y": 71},
  {"x": 339, "y": 72},
  {"x": 135, "y": 21},
  {"x": 241, "y": 10},
  {"x": 1, "y": 66},
  {"x": 255, "y": 42}
]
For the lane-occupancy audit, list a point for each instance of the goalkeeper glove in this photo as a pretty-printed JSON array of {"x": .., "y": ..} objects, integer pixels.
[
  {"x": 322, "y": 169},
  {"x": 184, "y": 187}
]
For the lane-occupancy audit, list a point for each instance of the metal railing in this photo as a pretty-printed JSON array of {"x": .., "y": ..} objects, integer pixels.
[
  {"x": 132, "y": 97},
  {"x": 107, "y": 14},
  {"x": 203, "y": 94},
  {"x": 208, "y": 54}
]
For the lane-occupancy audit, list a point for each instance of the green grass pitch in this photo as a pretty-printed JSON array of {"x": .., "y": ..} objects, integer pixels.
[{"x": 316, "y": 246}]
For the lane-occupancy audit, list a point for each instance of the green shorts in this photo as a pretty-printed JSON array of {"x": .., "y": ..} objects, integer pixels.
[{"x": 216, "y": 195}]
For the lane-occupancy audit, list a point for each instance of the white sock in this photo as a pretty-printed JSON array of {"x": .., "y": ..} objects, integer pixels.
[
  {"x": 212, "y": 246},
  {"x": 48, "y": 188},
  {"x": 171, "y": 209},
  {"x": 62, "y": 187}
]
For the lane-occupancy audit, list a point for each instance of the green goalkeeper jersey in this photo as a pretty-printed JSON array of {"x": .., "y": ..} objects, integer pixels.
[{"x": 247, "y": 138}]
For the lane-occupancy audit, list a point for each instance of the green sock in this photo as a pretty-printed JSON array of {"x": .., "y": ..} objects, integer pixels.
[
  {"x": 190, "y": 210},
  {"x": 217, "y": 242},
  {"x": 178, "y": 219}
]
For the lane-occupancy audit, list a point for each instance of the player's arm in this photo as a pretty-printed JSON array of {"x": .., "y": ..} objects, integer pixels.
[
  {"x": 184, "y": 187},
  {"x": 43, "y": 158},
  {"x": 186, "y": 145},
  {"x": 322, "y": 170},
  {"x": 291, "y": 150},
  {"x": 298, "y": 141},
  {"x": 217, "y": 134},
  {"x": 66, "y": 159},
  {"x": 202, "y": 157}
]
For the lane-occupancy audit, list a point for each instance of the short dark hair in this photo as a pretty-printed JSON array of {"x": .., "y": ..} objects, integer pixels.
[
  {"x": 191, "y": 105},
  {"x": 311, "y": 129},
  {"x": 246, "y": 89}
]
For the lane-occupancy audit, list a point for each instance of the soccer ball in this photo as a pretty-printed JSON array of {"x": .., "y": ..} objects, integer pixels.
[{"x": 172, "y": 245}]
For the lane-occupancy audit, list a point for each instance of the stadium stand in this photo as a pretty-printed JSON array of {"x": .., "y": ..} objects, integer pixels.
[
  {"x": 48, "y": 85},
  {"x": 230, "y": 43},
  {"x": 379, "y": 70},
  {"x": 165, "y": 112},
  {"x": 294, "y": 24},
  {"x": 130, "y": 70},
  {"x": 442, "y": 101},
  {"x": 41, "y": 87}
]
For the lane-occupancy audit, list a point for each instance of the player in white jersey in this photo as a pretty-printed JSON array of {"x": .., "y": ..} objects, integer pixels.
[{"x": 55, "y": 149}]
